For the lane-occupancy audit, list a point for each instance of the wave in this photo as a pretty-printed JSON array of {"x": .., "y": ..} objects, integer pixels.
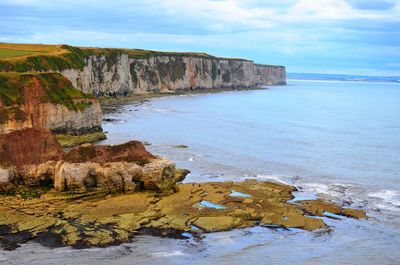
[
  {"x": 387, "y": 199},
  {"x": 166, "y": 254},
  {"x": 277, "y": 178},
  {"x": 349, "y": 195}
]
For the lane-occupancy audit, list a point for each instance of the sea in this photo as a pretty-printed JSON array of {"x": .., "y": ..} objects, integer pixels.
[{"x": 332, "y": 139}]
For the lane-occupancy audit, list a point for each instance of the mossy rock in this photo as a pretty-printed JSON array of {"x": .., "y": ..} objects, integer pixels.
[
  {"x": 217, "y": 223},
  {"x": 180, "y": 146},
  {"x": 167, "y": 187},
  {"x": 66, "y": 140}
]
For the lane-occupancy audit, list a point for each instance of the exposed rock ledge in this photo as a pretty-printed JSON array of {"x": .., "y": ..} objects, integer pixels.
[{"x": 99, "y": 219}]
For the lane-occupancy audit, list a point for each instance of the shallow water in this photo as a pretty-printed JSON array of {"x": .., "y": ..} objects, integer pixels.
[
  {"x": 335, "y": 140},
  {"x": 211, "y": 205},
  {"x": 239, "y": 194}
]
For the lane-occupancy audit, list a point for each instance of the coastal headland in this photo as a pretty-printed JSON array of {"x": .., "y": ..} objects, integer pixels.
[{"x": 100, "y": 195}]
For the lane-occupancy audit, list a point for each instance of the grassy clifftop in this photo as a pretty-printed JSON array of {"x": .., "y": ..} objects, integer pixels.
[
  {"x": 37, "y": 57},
  {"x": 27, "y": 57}
]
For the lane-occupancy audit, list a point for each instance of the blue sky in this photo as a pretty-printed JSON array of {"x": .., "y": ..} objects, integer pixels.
[{"x": 321, "y": 36}]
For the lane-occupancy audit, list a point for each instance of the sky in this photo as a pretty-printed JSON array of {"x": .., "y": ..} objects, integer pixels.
[{"x": 315, "y": 36}]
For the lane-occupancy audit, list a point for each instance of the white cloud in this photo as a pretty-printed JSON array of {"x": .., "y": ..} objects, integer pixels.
[{"x": 231, "y": 14}]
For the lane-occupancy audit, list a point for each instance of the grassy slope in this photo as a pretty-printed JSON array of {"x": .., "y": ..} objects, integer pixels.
[
  {"x": 55, "y": 88},
  {"x": 11, "y": 53}
]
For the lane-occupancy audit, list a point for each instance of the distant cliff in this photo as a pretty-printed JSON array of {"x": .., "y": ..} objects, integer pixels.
[
  {"x": 120, "y": 72},
  {"x": 169, "y": 73}
]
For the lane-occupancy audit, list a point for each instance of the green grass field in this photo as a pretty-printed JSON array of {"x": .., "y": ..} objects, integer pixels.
[
  {"x": 6, "y": 53},
  {"x": 12, "y": 51}
]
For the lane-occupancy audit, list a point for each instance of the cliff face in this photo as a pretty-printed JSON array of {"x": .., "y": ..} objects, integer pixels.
[
  {"x": 46, "y": 101},
  {"x": 168, "y": 73},
  {"x": 119, "y": 72}
]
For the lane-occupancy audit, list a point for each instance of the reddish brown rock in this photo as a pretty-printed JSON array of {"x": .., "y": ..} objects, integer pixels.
[
  {"x": 132, "y": 151},
  {"x": 33, "y": 157},
  {"x": 29, "y": 147}
]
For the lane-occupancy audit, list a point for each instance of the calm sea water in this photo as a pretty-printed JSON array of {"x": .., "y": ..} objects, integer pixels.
[{"x": 335, "y": 140}]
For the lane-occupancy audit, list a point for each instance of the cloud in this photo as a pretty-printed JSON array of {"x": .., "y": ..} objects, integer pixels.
[
  {"x": 236, "y": 14},
  {"x": 302, "y": 34}
]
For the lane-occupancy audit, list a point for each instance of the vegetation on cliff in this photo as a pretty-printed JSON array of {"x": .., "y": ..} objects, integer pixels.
[
  {"x": 35, "y": 57},
  {"x": 18, "y": 88},
  {"x": 21, "y": 95},
  {"x": 47, "y": 100},
  {"x": 118, "y": 72},
  {"x": 174, "y": 69}
]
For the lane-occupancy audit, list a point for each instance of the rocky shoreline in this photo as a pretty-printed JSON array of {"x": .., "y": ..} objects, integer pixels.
[{"x": 104, "y": 195}]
